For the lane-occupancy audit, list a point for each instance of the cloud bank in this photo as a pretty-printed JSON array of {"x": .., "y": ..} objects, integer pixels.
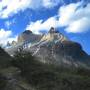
[
  {"x": 39, "y": 25},
  {"x": 5, "y": 36},
  {"x": 75, "y": 17},
  {"x": 11, "y": 7}
]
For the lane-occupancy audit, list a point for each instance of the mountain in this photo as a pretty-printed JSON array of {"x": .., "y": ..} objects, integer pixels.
[
  {"x": 53, "y": 48},
  {"x": 28, "y": 73},
  {"x": 53, "y": 35},
  {"x": 28, "y": 36},
  {"x": 57, "y": 49},
  {"x": 51, "y": 63}
]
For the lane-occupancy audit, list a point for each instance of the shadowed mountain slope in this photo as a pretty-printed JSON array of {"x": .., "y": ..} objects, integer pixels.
[{"x": 4, "y": 58}]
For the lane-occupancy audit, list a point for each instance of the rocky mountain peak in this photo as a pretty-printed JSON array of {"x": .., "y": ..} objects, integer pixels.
[
  {"x": 53, "y": 30},
  {"x": 53, "y": 47},
  {"x": 27, "y": 32},
  {"x": 54, "y": 35},
  {"x": 28, "y": 36}
]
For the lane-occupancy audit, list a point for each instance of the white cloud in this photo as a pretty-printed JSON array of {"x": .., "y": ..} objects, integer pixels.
[
  {"x": 74, "y": 17},
  {"x": 66, "y": 14},
  {"x": 69, "y": 15},
  {"x": 51, "y": 3},
  {"x": 10, "y": 7},
  {"x": 6, "y": 36},
  {"x": 39, "y": 25},
  {"x": 8, "y": 24},
  {"x": 79, "y": 26}
]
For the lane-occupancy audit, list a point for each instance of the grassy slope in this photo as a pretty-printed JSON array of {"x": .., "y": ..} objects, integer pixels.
[{"x": 50, "y": 77}]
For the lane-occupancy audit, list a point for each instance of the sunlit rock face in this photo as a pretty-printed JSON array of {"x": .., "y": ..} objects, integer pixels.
[
  {"x": 28, "y": 36},
  {"x": 57, "y": 49},
  {"x": 53, "y": 48},
  {"x": 54, "y": 35}
]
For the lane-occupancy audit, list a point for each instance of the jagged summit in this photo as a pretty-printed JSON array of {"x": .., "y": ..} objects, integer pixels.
[
  {"x": 53, "y": 47},
  {"x": 54, "y": 35},
  {"x": 53, "y": 30},
  {"x": 28, "y": 36},
  {"x": 27, "y": 32}
]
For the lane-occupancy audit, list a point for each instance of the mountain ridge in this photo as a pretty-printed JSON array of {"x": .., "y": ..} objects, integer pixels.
[
  {"x": 54, "y": 48},
  {"x": 53, "y": 63}
]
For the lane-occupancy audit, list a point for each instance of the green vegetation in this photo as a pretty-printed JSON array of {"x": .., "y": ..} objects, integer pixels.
[
  {"x": 50, "y": 77},
  {"x": 4, "y": 59},
  {"x": 3, "y": 82},
  {"x": 39, "y": 75}
]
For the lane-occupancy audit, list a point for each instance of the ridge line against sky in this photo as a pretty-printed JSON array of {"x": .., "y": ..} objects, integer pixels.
[{"x": 70, "y": 16}]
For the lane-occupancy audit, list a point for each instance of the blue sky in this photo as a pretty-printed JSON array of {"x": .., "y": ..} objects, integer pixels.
[{"x": 71, "y": 17}]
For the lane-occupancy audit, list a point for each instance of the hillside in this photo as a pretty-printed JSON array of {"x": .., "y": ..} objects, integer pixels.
[
  {"x": 28, "y": 73},
  {"x": 57, "y": 49},
  {"x": 51, "y": 63},
  {"x": 52, "y": 48},
  {"x": 4, "y": 58}
]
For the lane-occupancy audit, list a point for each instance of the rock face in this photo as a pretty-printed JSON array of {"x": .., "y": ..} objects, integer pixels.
[
  {"x": 10, "y": 78},
  {"x": 54, "y": 48},
  {"x": 53, "y": 35},
  {"x": 28, "y": 36}
]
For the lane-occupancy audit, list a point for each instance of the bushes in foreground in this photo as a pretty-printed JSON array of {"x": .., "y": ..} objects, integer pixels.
[{"x": 50, "y": 77}]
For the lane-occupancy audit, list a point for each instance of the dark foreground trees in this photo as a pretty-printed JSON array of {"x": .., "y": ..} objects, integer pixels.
[{"x": 50, "y": 77}]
